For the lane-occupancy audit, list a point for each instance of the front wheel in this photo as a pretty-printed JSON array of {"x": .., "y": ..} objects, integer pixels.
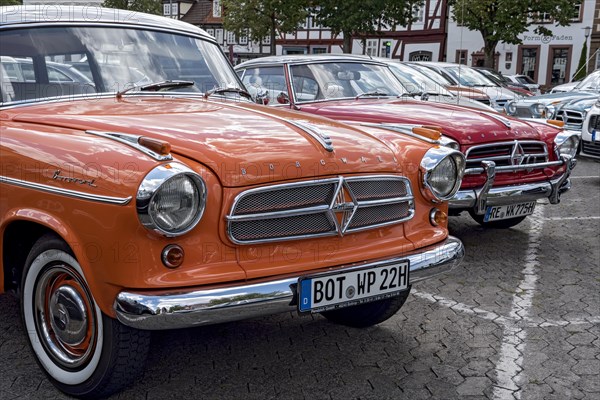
[
  {"x": 501, "y": 224},
  {"x": 83, "y": 352},
  {"x": 368, "y": 314}
]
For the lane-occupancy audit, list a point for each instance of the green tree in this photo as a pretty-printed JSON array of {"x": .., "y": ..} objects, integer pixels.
[
  {"x": 581, "y": 70},
  {"x": 145, "y": 6},
  {"x": 363, "y": 17},
  {"x": 504, "y": 20},
  {"x": 259, "y": 19},
  {"x": 10, "y": 2}
]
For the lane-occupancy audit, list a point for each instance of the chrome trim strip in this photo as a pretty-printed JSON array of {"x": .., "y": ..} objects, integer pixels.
[
  {"x": 120, "y": 201},
  {"x": 513, "y": 168},
  {"x": 505, "y": 195},
  {"x": 349, "y": 208},
  {"x": 131, "y": 141},
  {"x": 315, "y": 133},
  {"x": 405, "y": 129},
  {"x": 182, "y": 308}
]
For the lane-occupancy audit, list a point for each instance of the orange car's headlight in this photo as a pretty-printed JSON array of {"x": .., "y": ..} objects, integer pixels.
[
  {"x": 171, "y": 199},
  {"x": 442, "y": 170}
]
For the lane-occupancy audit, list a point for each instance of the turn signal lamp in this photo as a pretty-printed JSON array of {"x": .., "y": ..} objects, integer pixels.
[
  {"x": 556, "y": 122},
  {"x": 428, "y": 132},
  {"x": 172, "y": 256},
  {"x": 158, "y": 146},
  {"x": 438, "y": 217}
]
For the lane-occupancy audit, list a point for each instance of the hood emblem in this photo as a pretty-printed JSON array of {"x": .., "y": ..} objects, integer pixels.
[
  {"x": 343, "y": 207},
  {"x": 518, "y": 154}
]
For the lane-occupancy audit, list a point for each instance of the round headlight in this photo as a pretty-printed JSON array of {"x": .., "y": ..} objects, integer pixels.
[
  {"x": 451, "y": 143},
  {"x": 550, "y": 110},
  {"x": 171, "y": 199},
  {"x": 511, "y": 107},
  {"x": 538, "y": 109},
  {"x": 442, "y": 170},
  {"x": 566, "y": 143}
]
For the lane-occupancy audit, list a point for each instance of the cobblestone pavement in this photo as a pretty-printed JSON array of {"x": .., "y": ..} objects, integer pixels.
[{"x": 519, "y": 319}]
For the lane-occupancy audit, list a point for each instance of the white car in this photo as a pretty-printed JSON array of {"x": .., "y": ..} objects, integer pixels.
[
  {"x": 527, "y": 81},
  {"x": 590, "y": 133},
  {"x": 465, "y": 76}
]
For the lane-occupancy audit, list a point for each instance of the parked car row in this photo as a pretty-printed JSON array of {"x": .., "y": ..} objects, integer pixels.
[{"x": 156, "y": 194}]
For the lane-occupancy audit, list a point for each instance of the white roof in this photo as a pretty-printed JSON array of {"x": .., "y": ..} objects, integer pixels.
[{"x": 52, "y": 14}]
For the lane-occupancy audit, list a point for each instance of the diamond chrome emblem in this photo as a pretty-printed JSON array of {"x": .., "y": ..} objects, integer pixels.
[
  {"x": 518, "y": 154},
  {"x": 343, "y": 207}
]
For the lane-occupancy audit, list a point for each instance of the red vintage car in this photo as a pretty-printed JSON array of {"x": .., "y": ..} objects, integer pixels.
[
  {"x": 510, "y": 163},
  {"x": 154, "y": 194}
]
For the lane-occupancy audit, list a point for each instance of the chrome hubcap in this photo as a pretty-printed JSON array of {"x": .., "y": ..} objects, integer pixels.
[{"x": 64, "y": 316}]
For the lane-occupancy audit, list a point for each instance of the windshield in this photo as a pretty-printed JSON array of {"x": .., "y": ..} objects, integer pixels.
[
  {"x": 591, "y": 82},
  {"x": 432, "y": 74},
  {"x": 468, "y": 77},
  {"x": 105, "y": 60},
  {"x": 417, "y": 82},
  {"x": 334, "y": 80}
]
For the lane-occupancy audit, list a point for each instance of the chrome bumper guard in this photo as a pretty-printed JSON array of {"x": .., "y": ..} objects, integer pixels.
[
  {"x": 480, "y": 199},
  {"x": 193, "y": 307}
]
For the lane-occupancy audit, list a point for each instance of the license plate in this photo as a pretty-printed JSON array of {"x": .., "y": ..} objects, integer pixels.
[
  {"x": 324, "y": 292},
  {"x": 496, "y": 213}
]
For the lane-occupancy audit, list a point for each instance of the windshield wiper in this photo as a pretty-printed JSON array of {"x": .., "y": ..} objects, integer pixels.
[
  {"x": 373, "y": 93},
  {"x": 157, "y": 87},
  {"x": 219, "y": 90}
]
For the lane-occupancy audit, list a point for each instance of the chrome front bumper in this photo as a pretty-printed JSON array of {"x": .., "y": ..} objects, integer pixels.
[
  {"x": 187, "y": 308},
  {"x": 479, "y": 199}
]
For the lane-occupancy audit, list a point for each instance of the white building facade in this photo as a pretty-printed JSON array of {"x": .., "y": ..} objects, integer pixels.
[{"x": 549, "y": 60}]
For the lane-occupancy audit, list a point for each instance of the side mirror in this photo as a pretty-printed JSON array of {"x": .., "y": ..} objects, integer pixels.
[
  {"x": 262, "y": 98},
  {"x": 283, "y": 98}
]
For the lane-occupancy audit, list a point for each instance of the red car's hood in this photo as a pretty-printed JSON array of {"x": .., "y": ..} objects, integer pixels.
[
  {"x": 467, "y": 126},
  {"x": 243, "y": 144}
]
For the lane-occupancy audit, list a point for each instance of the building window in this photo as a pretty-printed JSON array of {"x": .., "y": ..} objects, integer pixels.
[
  {"x": 230, "y": 37},
  {"x": 577, "y": 13},
  {"x": 371, "y": 49},
  {"x": 528, "y": 61},
  {"x": 419, "y": 15},
  {"x": 244, "y": 38},
  {"x": 211, "y": 32},
  {"x": 266, "y": 40},
  {"x": 508, "y": 57},
  {"x": 217, "y": 8},
  {"x": 420, "y": 56},
  {"x": 461, "y": 57},
  {"x": 597, "y": 59},
  {"x": 559, "y": 66},
  {"x": 318, "y": 50},
  {"x": 219, "y": 35}
]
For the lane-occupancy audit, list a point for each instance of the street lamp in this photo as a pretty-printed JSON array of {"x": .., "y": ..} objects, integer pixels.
[{"x": 586, "y": 31}]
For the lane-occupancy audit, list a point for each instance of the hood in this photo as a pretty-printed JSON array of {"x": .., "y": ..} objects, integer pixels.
[
  {"x": 467, "y": 126},
  {"x": 583, "y": 104},
  {"x": 243, "y": 144},
  {"x": 499, "y": 93}
]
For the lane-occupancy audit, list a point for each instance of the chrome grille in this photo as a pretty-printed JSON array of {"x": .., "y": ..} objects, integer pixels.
[
  {"x": 572, "y": 119},
  {"x": 591, "y": 148},
  {"x": 517, "y": 152},
  {"x": 327, "y": 207},
  {"x": 594, "y": 123}
]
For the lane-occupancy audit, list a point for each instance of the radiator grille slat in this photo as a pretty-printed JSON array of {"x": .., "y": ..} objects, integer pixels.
[
  {"x": 309, "y": 209},
  {"x": 517, "y": 152}
]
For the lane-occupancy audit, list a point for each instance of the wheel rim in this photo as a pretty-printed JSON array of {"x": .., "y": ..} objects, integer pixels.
[{"x": 64, "y": 316}]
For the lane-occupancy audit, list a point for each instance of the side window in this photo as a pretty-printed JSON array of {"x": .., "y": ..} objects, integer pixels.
[
  {"x": 55, "y": 75},
  {"x": 269, "y": 81},
  {"x": 17, "y": 69},
  {"x": 305, "y": 85}
]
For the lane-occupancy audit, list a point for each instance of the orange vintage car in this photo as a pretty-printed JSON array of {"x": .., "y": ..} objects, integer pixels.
[{"x": 155, "y": 195}]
